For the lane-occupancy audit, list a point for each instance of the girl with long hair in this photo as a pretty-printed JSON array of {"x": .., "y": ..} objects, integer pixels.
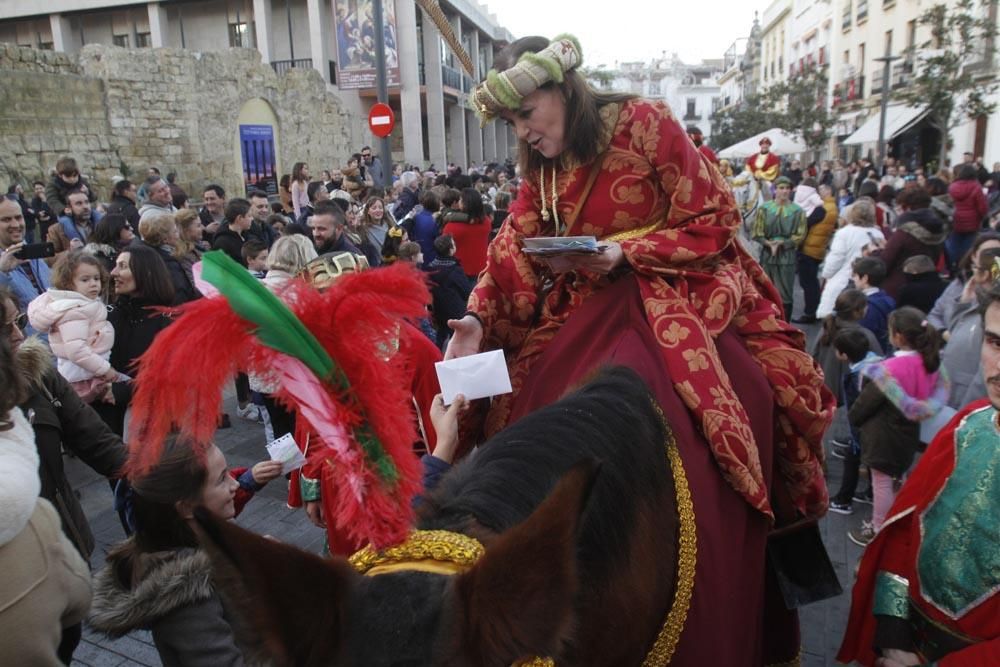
[
  {"x": 159, "y": 579},
  {"x": 897, "y": 394}
]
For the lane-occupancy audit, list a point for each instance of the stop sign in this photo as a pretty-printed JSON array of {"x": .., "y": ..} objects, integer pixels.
[{"x": 381, "y": 120}]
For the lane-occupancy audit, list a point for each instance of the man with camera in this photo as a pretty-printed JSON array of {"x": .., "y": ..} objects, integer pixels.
[{"x": 21, "y": 267}]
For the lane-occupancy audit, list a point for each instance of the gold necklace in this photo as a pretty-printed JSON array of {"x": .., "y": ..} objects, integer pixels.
[{"x": 555, "y": 197}]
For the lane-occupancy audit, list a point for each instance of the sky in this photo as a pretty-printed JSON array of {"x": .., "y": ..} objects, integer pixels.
[{"x": 630, "y": 30}]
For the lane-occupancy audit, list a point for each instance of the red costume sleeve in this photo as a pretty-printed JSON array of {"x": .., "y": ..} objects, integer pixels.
[
  {"x": 242, "y": 495},
  {"x": 420, "y": 355}
]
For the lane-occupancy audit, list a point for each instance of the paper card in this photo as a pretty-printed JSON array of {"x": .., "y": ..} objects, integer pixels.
[
  {"x": 474, "y": 376},
  {"x": 285, "y": 450}
]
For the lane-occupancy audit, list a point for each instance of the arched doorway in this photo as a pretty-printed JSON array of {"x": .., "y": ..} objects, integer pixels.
[{"x": 257, "y": 146}]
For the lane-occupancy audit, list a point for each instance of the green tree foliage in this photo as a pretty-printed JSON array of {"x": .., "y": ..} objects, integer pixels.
[
  {"x": 954, "y": 73},
  {"x": 797, "y": 105}
]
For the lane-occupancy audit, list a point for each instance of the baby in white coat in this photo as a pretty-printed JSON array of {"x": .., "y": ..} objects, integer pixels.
[{"x": 76, "y": 320}]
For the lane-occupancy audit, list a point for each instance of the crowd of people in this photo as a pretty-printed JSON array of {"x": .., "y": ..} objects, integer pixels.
[{"x": 895, "y": 265}]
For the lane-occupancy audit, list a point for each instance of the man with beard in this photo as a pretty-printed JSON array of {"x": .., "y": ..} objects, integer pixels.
[
  {"x": 373, "y": 166},
  {"x": 73, "y": 230},
  {"x": 327, "y": 225},
  {"x": 25, "y": 278},
  {"x": 927, "y": 587}
]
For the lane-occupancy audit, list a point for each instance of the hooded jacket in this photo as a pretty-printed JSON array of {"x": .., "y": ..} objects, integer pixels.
[
  {"x": 918, "y": 232},
  {"x": 174, "y": 597},
  {"x": 79, "y": 332},
  {"x": 970, "y": 205}
]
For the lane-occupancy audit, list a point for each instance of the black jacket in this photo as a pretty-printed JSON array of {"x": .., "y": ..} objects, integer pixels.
[
  {"x": 125, "y": 206},
  {"x": 229, "y": 242},
  {"x": 450, "y": 290},
  {"x": 921, "y": 290},
  {"x": 184, "y": 289},
  {"x": 62, "y": 421}
]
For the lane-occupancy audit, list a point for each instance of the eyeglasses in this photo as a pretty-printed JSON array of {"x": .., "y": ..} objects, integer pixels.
[{"x": 20, "y": 321}]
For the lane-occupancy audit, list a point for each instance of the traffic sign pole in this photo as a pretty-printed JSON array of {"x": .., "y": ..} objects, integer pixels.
[{"x": 382, "y": 85}]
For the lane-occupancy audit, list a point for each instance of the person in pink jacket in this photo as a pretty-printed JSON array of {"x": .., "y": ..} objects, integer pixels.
[{"x": 76, "y": 320}]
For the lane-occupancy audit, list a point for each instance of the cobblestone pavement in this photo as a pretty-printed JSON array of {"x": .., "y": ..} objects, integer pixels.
[{"x": 822, "y": 623}]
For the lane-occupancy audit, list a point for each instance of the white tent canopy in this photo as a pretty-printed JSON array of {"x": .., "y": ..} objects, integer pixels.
[
  {"x": 898, "y": 119},
  {"x": 782, "y": 143}
]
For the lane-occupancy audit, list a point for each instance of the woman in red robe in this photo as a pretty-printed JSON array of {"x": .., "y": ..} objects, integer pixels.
[{"x": 668, "y": 221}]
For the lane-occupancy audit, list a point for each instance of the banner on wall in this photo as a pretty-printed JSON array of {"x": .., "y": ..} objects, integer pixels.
[
  {"x": 355, "y": 31},
  {"x": 259, "y": 161}
]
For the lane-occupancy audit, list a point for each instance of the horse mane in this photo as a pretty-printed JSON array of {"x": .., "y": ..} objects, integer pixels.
[{"x": 612, "y": 419}]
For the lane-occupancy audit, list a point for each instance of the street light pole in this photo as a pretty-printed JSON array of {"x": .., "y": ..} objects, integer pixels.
[
  {"x": 382, "y": 86},
  {"x": 886, "y": 61}
]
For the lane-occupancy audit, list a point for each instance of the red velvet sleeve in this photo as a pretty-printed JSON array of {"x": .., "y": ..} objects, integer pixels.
[
  {"x": 702, "y": 217},
  {"x": 242, "y": 495}
]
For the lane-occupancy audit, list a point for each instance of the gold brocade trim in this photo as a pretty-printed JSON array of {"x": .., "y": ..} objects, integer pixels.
[
  {"x": 630, "y": 234},
  {"x": 687, "y": 557},
  {"x": 439, "y": 551},
  {"x": 453, "y": 553}
]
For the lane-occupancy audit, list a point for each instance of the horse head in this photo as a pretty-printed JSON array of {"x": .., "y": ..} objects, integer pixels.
[{"x": 515, "y": 602}]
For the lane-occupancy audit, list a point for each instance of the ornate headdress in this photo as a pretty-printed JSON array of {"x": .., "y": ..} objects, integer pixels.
[
  {"x": 504, "y": 91},
  {"x": 326, "y": 351}
]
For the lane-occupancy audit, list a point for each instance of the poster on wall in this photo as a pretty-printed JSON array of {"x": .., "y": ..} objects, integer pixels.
[
  {"x": 259, "y": 162},
  {"x": 356, "y": 44}
]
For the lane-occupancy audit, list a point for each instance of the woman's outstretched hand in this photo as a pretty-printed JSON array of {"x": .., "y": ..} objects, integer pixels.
[{"x": 466, "y": 340}]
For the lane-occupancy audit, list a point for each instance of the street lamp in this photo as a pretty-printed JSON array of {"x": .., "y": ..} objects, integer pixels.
[{"x": 886, "y": 61}]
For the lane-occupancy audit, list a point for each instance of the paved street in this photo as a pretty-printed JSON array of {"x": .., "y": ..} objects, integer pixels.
[{"x": 243, "y": 444}]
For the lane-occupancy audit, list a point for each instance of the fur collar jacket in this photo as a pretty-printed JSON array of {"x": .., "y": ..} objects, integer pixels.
[{"x": 166, "y": 581}]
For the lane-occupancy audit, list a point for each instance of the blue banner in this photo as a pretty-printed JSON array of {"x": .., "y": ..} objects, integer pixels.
[{"x": 259, "y": 160}]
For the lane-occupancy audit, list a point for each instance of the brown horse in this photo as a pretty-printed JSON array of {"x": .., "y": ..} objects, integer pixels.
[{"x": 576, "y": 506}]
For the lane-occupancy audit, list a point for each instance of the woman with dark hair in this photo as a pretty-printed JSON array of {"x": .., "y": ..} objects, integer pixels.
[
  {"x": 285, "y": 194},
  {"x": 160, "y": 233},
  {"x": 672, "y": 277},
  {"x": 159, "y": 579},
  {"x": 123, "y": 198},
  {"x": 970, "y": 210},
  {"x": 142, "y": 283},
  {"x": 113, "y": 233},
  {"x": 501, "y": 202},
  {"x": 885, "y": 202},
  {"x": 472, "y": 236}
]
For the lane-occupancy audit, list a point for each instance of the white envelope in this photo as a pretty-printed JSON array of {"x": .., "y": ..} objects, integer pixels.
[
  {"x": 285, "y": 450},
  {"x": 474, "y": 376}
]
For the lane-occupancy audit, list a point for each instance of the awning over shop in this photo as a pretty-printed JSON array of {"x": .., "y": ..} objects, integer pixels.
[{"x": 898, "y": 119}]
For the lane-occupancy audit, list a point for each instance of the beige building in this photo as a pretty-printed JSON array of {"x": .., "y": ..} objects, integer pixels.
[
  {"x": 428, "y": 89},
  {"x": 869, "y": 29},
  {"x": 776, "y": 23}
]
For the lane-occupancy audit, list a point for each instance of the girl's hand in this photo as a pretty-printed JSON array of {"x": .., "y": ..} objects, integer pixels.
[
  {"x": 467, "y": 339},
  {"x": 445, "y": 420},
  {"x": 111, "y": 375},
  {"x": 265, "y": 471}
]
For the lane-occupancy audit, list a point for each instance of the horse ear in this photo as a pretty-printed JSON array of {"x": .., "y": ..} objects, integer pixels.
[
  {"x": 518, "y": 599},
  {"x": 290, "y": 603}
]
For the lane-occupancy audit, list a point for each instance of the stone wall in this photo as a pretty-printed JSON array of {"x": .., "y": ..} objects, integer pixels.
[
  {"x": 119, "y": 111},
  {"x": 47, "y": 110}
]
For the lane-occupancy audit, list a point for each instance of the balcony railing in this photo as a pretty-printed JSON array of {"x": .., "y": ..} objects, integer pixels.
[
  {"x": 451, "y": 77},
  {"x": 849, "y": 90},
  {"x": 282, "y": 66}
]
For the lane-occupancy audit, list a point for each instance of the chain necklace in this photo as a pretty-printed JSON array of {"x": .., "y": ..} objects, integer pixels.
[{"x": 555, "y": 197}]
